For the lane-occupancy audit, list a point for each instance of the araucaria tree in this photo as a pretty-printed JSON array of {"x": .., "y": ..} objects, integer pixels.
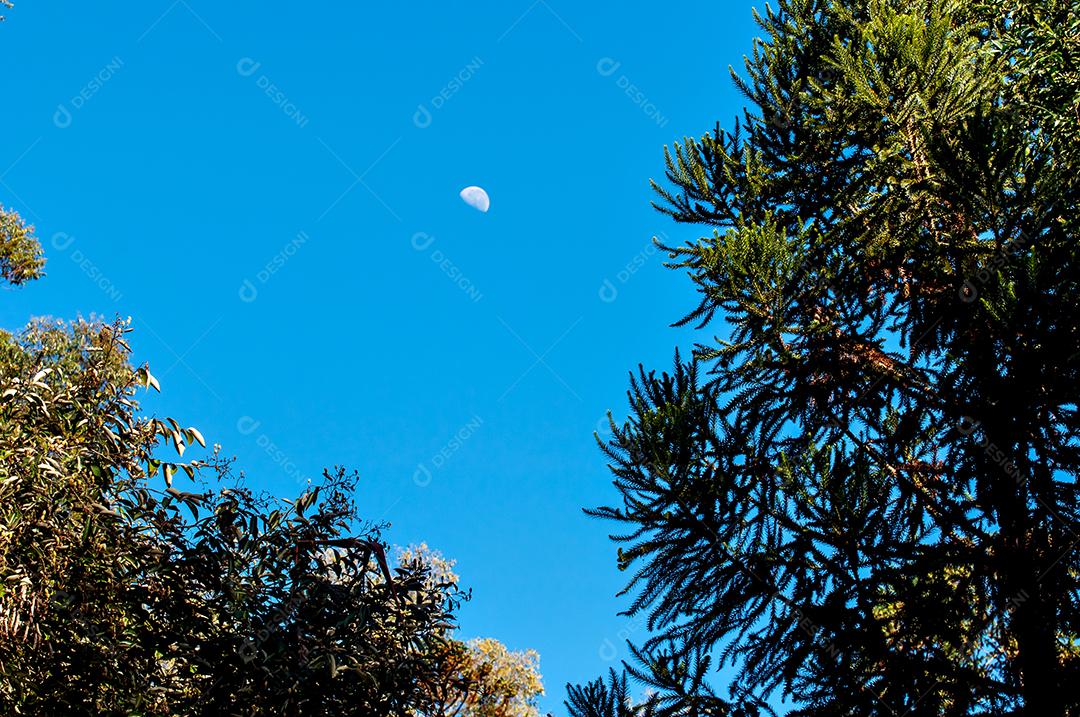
[{"x": 860, "y": 494}]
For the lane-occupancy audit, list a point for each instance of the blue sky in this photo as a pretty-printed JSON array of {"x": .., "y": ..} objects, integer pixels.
[{"x": 271, "y": 192}]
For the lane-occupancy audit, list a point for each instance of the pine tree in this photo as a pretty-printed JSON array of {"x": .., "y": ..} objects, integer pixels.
[{"x": 860, "y": 493}]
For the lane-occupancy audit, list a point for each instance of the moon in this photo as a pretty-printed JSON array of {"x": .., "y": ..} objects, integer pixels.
[{"x": 476, "y": 198}]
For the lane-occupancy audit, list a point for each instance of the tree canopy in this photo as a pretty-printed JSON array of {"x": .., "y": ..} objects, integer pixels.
[
  {"x": 855, "y": 494},
  {"x": 858, "y": 494},
  {"x": 135, "y": 580}
]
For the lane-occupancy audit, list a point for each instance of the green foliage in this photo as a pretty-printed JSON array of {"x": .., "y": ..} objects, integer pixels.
[
  {"x": 1042, "y": 43},
  {"x": 481, "y": 678},
  {"x": 861, "y": 495},
  {"x": 20, "y": 253},
  {"x": 121, "y": 594},
  {"x": 600, "y": 699}
]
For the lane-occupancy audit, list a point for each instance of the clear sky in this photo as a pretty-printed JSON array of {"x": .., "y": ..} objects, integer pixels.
[{"x": 270, "y": 190}]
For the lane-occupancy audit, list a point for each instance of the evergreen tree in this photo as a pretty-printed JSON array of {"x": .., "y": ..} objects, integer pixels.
[{"x": 860, "y": 494}]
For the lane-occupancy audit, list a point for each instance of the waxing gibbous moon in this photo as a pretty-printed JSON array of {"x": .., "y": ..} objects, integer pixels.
[{"x": 476, "y": 198}]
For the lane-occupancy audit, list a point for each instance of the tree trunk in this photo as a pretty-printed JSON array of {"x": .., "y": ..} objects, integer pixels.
[{"x": 1025, "y": 559}]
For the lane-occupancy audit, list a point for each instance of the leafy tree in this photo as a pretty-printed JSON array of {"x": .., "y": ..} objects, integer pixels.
[
  {"x": 860, "y": 493},
  {"x": 121, "y": 594},
  {"x": 482, "y": 678},
  {"x": 20, "y": 252}
]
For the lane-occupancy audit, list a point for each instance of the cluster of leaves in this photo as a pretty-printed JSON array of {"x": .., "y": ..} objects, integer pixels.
[
  {"x": 1041, "y": 43},
  {"x": 121, "y": 594},
  {"x": 478, "y": 678},
  {"x": 482, "y": 678},
  {"x": 860, "y": 495},
  {"x": 607, "y": 699},
  {"x": 20, "y": 252}
]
